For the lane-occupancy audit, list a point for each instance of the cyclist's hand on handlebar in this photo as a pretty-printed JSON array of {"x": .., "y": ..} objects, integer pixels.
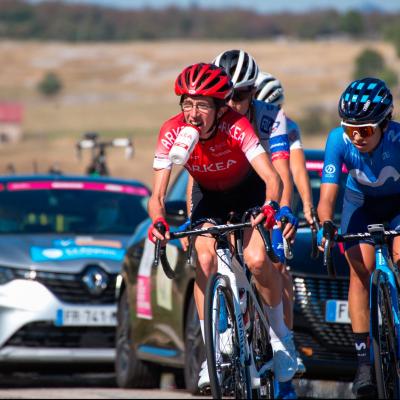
[
  {"x": 291, "y": 223},
  {"x": 267, "y": 215},
  {"x": 154, "y": 230},
  {"x": 321, "y": 239}
]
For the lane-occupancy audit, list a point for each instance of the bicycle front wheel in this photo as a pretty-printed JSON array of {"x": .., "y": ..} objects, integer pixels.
[
  {"x": 384, "y": 338},
  {"x": 228, "y": 376},
  {"x": 260, "y": 345}
]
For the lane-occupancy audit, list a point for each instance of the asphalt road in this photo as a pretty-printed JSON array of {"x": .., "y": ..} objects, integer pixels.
[{"x": 102, "y": 386}]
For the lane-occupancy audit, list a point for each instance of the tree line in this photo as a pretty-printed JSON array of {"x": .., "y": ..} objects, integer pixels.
[{"x": 77, "y": 22}]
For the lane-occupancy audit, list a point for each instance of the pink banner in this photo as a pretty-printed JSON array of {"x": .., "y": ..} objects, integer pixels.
[
  {"x": 143, "y": 297},
  {"x": 59, "y": 185}
]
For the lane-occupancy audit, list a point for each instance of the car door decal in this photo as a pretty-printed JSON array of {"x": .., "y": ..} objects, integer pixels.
[{"x": 143, "y": 292}]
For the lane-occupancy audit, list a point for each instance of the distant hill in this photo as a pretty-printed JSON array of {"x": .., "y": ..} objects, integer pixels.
[{"x": 77, "y": 22}]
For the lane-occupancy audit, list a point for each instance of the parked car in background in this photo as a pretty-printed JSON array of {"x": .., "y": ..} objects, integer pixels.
[
  {"x": 62, "y": 240},
  {"x": 158, "y": 325}
]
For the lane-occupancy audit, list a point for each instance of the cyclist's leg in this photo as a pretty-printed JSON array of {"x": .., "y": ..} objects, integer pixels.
[
  {"x": 361, "y": 260},
  {"x": 269, "y": 284}
]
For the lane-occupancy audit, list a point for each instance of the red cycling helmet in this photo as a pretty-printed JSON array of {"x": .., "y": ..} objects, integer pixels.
[{"x": 204, "y": 80}]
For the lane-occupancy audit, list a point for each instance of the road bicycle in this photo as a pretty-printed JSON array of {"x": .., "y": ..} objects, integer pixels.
[
  {"x": 98, "y": 165},
  {"x": 239, "y": 353},
  {"x": 384, "y": 305}
]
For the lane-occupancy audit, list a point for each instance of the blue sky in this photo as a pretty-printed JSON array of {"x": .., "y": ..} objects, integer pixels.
[{"x": 257, "y": 5}]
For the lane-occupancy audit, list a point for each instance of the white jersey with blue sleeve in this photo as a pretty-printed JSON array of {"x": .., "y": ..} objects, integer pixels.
[
  {"x": 373, "y": 174},
  {"x": 270, "y": 124}
]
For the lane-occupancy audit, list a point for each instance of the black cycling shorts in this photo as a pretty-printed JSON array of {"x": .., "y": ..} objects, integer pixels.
[{"x": 216, "y": 205}]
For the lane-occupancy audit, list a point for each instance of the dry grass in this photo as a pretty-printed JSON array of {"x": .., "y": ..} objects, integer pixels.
[{"x": 127, "y": 89}]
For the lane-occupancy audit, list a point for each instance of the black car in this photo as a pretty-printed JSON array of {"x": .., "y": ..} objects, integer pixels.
[{"x": 158, "y": 325}]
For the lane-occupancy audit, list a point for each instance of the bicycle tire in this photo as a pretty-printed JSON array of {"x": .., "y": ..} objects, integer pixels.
[
  {"x": 260, "y": 345},
  {"x": 384, "y": 339},
  {"x": 227, "y": 377}
]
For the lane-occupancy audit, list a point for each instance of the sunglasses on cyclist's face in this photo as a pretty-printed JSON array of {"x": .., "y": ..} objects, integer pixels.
[
  {"x": 365, "y": 131},
  {"x": 241, "y": 95}
]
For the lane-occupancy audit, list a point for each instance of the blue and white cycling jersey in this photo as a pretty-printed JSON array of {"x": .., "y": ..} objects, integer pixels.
[
  {"x": 270, "y": 124},
  {"x": 373, "y": 174}
]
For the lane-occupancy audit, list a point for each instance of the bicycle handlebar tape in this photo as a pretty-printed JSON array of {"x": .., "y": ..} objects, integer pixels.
[
  {"x": 160, "y": 252},
  {"x": 161, "y": 225}
]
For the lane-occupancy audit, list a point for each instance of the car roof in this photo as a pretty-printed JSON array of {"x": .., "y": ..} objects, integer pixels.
[{"x": 71, "y": 178}]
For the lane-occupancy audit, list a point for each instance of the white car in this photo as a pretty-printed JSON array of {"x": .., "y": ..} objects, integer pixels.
[{"x": 62, "y": 240}]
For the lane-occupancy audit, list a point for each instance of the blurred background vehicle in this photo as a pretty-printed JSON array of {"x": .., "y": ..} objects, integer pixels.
[
  {"x": 62, "y": 242},
  {"x": 158, "y": 325},
  {"x": 98, "y": 165}
]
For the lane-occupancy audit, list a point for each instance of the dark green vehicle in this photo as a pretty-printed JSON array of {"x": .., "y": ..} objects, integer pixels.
[{"x": 158, "y": 326}]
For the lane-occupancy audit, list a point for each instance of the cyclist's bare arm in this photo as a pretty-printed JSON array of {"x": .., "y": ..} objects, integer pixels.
[
  {"x": 282, "y": 166},
  {"x": 302, "y": 181},
  {"x": 156, "y": 206},
  {"x": 264, "y": 168},
  {"x": 189, "y": 188}
]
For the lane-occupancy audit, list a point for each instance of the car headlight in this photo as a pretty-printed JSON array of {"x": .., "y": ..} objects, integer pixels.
[{"x": 6, "y": 275}]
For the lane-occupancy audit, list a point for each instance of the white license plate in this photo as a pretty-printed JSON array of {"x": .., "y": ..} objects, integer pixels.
[
  {"x": 86, "y": 316},
  {"x": 337, "y": 311}
]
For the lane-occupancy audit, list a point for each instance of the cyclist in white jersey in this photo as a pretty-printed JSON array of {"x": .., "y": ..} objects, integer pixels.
[
  {"x": 267, "y": 123},
  {"x": 270, "y": 90}
]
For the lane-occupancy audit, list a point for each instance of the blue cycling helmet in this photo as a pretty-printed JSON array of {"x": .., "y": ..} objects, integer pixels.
[{"x": 365, "y": 101}]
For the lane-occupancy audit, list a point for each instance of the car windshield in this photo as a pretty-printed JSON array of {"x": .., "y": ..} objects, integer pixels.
[{"x": 33, "y": 207}]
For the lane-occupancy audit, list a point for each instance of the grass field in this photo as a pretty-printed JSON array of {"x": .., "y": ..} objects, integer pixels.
[{"x": 127, "y": 89}]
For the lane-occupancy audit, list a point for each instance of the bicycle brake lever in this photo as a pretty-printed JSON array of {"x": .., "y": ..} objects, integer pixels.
[{"x": 287, "y": 247}]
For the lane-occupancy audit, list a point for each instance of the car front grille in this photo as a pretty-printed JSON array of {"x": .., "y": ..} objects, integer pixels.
[
  {"x": 70, "y": 288},
  {"x": 46, "y": 334},
  {"x": 311, "y": 294}
]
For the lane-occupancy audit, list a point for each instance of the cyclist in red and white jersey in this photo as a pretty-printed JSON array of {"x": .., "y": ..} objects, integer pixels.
[{"x": 227, "y": 162}]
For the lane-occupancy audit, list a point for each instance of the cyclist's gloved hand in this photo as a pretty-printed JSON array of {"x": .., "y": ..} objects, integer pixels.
[
  {"x": 320, "y": 236},
  {"x": 269, "y": 210},
  {"x": 153, "y": 229},
  {"x": 285, "y": 211}
]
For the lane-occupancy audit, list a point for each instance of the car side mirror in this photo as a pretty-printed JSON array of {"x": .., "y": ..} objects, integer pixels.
[{"x": 176, "y": 212}]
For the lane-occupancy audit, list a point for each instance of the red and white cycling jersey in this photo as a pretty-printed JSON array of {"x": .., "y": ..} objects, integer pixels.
[{"x": 219, "y": 163}]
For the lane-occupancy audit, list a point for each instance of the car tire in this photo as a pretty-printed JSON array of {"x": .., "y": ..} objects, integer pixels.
[
  {"x": 194, "y": 348},
  {"x": 130, "y": 371}
]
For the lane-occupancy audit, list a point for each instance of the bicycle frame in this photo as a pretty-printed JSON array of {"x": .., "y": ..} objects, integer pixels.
[
  {"x": 384, "y": 267},
  {"x": 233, "y": 268}
]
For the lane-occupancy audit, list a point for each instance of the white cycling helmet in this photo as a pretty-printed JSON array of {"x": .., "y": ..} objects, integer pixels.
[
  {"x": 240, "y": 66},
  {"x": 269, "y": 89}
]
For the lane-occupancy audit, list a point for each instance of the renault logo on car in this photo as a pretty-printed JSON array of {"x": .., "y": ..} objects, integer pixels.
[{"x": 95, "y": 279}]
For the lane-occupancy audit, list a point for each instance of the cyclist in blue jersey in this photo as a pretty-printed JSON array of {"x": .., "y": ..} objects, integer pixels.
[
  {"x": 269, "y": 122},
  {"x": 368, "y": 143}
]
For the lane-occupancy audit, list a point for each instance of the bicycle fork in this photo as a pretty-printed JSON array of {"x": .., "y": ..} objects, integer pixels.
[{"x": 224, "y": 268}]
